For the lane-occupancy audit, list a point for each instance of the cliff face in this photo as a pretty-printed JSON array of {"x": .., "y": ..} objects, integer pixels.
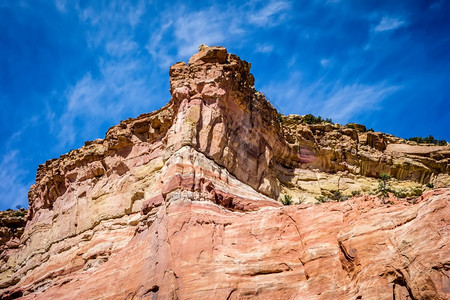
[{"x": 182, "y": 203}]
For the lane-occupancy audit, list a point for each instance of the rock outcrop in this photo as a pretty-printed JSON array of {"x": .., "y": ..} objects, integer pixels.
[
  {"x": 12, "y": 225},
  {"x": 182, "y": 203}
]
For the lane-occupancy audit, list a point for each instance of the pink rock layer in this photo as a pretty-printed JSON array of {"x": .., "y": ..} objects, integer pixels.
[{"x": 199, "y": 250}]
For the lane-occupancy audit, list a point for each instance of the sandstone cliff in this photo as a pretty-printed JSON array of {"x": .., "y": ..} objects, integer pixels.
[{"x": 182, "y": 203}]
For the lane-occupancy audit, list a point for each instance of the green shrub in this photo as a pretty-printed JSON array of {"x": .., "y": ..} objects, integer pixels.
[
  {"x": 430, "y": 185},
  {"x": 400, "y": 194},
  {"x": 356, "y": 193},
  {"x": 286, "y": 200},
  {"x": 416, "y": 139},
  {"x": 370, "y": 130},
  {"x": 427, "y": 140},
  {"x": 311, "y": 119},
  {"x": 416, "y": 192},
  {"x": 322, "y": 198},
  {"x": 338, "y": 196},
  {"x": 280, "y": 117},
  {"x": 351, "y": 126},
  {"x": 20, "y": 213},
  {"x": 383, "y": 185}
]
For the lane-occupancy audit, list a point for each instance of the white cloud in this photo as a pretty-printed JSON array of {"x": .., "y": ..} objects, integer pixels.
[
  {"x": 204, "y": 27},
  {"x": 13, "y": 189},
  {"x": 61, "y": 5},
  {"x": 159, "y": 50},
  {"x": 184, "y": 29},
  {"x": 92, "y": 101},
  {"x": 264, "y": 48},
  {"x": 120, "y": 48},
  {"x": 118, "y": 86},
  {"x": 344, "y": 102},
  {"x": 436, "y": 4},
  {"x": 331, "y": 100},
  {"x": 389, "y": 23},
  {"x": 325, "y": 62},
  {"x": 270, "y": 14}
]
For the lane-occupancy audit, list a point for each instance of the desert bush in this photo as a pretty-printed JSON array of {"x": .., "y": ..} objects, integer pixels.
[
  {"x": 383, "y": 186},
  {"x": 428, "y": 140},
  {"x": 322, "y": 199},
  {"x": 286, "y": 200},
  {"x": 356, "y": 193},
  {"x": 311, "y": 119},
  {"x": 20, "y": 213},
  {"x": 338, "y": 196},
  {"x": 280, "y": 117},
  {"x": 400, "y": 194},
  {"x": 416, "y": 192}
]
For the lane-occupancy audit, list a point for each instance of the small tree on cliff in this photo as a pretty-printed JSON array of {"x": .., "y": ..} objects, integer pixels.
[{"x": 383, "y": 185}]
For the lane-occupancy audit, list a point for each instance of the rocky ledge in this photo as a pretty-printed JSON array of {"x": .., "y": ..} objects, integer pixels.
[{"x": 182, "y": 203}]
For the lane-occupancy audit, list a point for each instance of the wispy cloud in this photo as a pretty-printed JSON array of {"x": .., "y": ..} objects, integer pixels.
[
  {"x": 61, "y": 5},
  {"x": 389, "y": 23},
  {"x": 184, "y": 29},
  {"x": 341, "y": 102},
  {"x": 121, "y": 48},
  {"x": 13, "y": 189},
  {"x": 325, "y": 62},
  {"x": 270, "y": 14},
  {"x": 118, "y": 86},
  {"x": 92, "y": 101},
  {"x": 436, "y": 4},
  {"x": 264, "y": 48},
  {"x": 199, "y": 28}
]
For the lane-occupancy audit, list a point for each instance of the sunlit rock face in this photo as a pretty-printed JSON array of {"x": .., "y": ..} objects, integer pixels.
[{"x": 182, "y": 203}]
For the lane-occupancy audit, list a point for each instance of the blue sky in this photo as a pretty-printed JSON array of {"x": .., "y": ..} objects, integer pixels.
[{"x": 72, "y": 69}]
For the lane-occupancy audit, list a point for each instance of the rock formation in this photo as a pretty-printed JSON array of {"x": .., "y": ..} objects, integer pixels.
[
  {"x": 182, "y": 203},
  {"x": 12, "y": 225}
]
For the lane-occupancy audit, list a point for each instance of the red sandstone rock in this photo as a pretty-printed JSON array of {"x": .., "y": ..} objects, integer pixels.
[
  {"x": 180, "y": 204},
  {"x": 199, "y": 250}
]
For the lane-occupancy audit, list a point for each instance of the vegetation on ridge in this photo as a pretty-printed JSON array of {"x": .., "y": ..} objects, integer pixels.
[
  {"x": 428, "y": 140},
  {"x": 311, "y": 119}
]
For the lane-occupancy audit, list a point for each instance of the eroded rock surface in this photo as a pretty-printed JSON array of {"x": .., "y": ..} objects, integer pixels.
[{"x": 182, "y": 203}]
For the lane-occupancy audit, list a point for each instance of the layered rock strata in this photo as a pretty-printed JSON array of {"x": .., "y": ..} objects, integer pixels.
[
  {"x": 12, "y": 225},
  {"x": 182, "y": 203}
]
